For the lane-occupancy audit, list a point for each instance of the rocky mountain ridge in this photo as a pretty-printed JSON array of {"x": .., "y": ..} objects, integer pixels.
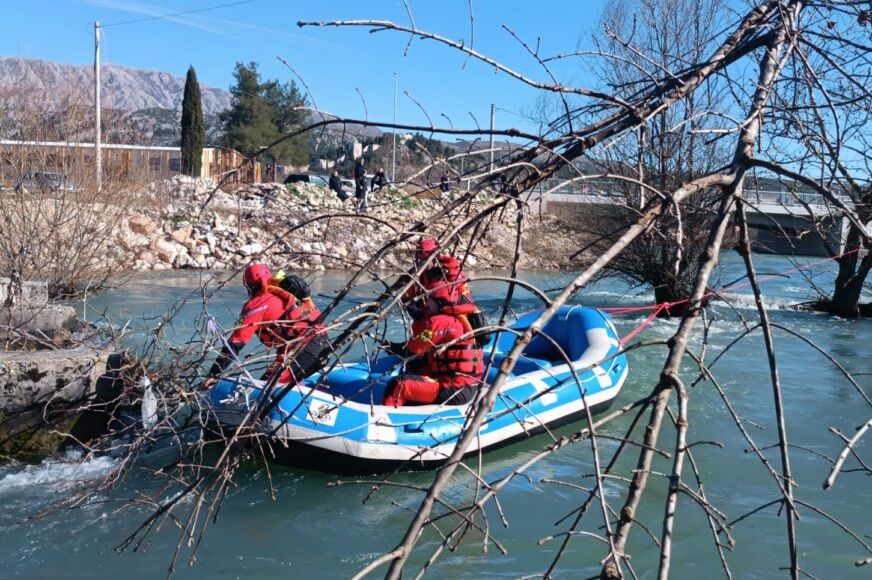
[
  {"x": 145, "y": 106},
  {"x": 124, "y": 88}
]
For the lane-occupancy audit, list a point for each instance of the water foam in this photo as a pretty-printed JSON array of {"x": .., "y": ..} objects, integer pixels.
[
  {"x": 59, "y": 473},
  {"x": 746, "y": 301}
]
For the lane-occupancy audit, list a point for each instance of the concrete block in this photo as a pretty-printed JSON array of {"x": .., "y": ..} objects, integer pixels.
[
  {"x": 43, "y": 394},
  {"x": 34, "y": 378},
  {"x": 47, "y": 321},
  {"x": 32, "y": 293}
]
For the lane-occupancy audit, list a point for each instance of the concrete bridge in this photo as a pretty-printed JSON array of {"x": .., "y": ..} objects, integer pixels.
[{"x": 780, "y": 222}]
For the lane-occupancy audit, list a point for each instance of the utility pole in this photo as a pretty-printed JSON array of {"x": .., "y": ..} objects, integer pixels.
[
  {"x": 491, "y": 167},
  {"x": 98, "y": 161},
  {"x": 394, "y": 140},
  {"x": 640, "y": 135}
]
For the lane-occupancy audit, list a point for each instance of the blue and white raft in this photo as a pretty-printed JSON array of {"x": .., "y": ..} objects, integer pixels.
[{"x": 334, "y": 423}]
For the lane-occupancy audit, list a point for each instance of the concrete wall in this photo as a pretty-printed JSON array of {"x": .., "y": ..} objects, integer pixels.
[
  {"x": 42, "y": 395},
  {"x": 776, "y": 229},
  {"x": 793, "y": 234}
]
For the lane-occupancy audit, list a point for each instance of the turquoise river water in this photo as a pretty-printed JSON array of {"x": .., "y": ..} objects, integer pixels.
[{"x": 314, "y": 531}]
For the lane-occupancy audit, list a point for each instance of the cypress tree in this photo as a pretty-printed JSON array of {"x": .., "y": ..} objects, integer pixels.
[{"x": 193, "y": 127}]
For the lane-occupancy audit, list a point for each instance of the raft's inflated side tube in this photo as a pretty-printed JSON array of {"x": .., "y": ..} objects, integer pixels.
[{"x": 344, "y": 431}]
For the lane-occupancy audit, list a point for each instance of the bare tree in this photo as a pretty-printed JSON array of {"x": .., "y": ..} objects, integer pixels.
[
  {"x": 768, "y": 41},
  {"x": 820, "y": 135},
  {"x": 641, "y": 40},
  {"x": 57, "y": 226}
]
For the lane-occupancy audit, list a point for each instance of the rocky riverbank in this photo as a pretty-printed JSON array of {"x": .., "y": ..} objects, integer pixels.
[
  {"x": 307, "y": 227},
  {"x": 52, "y": 368}
]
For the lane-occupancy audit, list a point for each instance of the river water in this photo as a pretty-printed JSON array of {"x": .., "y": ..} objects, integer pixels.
[{"x": 315, "y": 531}]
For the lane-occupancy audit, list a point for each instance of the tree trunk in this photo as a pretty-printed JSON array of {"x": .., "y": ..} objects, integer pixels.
[
  {"x": 849, "y": 285},
  {"x": 669, "y": 293},
  {"x": 853, "y": 269}
]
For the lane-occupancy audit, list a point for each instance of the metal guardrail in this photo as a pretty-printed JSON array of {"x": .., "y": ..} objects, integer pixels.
[
  {"x": 787, "y": 198},
  {"x": 596, "y": 191}
]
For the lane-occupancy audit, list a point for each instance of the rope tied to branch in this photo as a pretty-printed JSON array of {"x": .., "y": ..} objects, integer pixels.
[{"x": 659, "y": 307}]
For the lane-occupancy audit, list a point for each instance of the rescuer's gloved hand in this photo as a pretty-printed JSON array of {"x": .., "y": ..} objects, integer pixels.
[{"x": 397, "y": 348}]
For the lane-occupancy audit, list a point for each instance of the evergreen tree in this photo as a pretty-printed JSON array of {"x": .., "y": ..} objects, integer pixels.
[
  {"x": 193, "y": 127},
  {"x": 261, "y": 113},
  {"x": 287, "y": 102}
]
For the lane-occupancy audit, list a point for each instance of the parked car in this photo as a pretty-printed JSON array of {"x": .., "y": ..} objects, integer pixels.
[
  {"x": 45, "y": 181},
  {"x": 306, "y": 178}
]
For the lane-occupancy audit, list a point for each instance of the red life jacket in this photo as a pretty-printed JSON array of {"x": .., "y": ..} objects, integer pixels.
[
  {"x": 447, "y": 285},
  {"x": 294, "y": 322},
  {"x": 464, "y": 357},
  {"x": 461, "y": 363}
]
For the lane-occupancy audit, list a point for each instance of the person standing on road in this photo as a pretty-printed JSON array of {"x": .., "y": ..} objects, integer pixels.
[
  {"x": 360, "y": 188},
  {"x": 445, "y": 183}
]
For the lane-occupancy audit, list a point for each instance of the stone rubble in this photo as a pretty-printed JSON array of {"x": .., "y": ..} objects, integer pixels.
[{"x": 307, "y": 227}]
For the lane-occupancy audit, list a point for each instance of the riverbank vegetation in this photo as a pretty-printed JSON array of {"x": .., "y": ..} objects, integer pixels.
[{"x": 779, "y": 90}]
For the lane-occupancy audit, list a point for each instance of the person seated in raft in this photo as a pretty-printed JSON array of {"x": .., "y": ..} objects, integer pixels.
[
  {"x": 452, "y": 364},
  {"x": 445, "y": 270},
  {"x": 280, "y": 321}
]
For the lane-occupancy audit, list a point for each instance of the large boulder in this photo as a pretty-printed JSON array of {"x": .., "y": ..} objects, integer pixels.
[
  {"x": 250, "y": 249},
  {"x": 147, "y": 257},
  {"x": 130, "y": 240},
  {"x": 182, "y": 235},
  {"x": 142, "y": 224},
  {"x": 166, "y": 251}
]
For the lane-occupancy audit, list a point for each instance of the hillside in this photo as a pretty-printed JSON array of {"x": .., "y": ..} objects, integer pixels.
[
  {"x": 124, "y": 88},
  {"x": 144, "y": 107}
]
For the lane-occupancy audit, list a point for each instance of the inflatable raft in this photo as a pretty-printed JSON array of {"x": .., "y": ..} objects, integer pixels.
[{"x": 334, "y": 423}]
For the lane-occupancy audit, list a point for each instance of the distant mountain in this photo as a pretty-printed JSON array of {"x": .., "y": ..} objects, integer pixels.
[
  {"x": 124, "y": 88},
  {"x": 144, "y": 107}
]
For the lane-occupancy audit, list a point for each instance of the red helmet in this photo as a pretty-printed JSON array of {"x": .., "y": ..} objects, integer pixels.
[
  {"x": 425, "y": 249},
  {"x": 450, "y": 267},
  {"x": 256, "y": 278}
]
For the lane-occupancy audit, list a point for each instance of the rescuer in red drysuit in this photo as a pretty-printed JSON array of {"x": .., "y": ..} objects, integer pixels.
[
  {"x": 451, "y": 374},
  {"x": 444, "y": 272},
  {"x": 278, "y": 319},
  {"x": 306, "y": 337}
]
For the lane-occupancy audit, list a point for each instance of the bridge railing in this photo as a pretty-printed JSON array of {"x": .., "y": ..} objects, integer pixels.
[
  {"x": 788, "y": 198},
  {"x": 597, "y": 191}
]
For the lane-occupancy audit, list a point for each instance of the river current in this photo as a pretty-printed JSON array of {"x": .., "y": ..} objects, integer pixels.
[{"x": 314, "y": 531}]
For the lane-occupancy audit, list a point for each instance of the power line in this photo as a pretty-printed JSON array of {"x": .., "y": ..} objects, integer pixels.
[{"x": 173, "y": 14}]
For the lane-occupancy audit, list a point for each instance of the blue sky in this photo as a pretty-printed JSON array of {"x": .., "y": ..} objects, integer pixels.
[{"x": 334, "y": 61}]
